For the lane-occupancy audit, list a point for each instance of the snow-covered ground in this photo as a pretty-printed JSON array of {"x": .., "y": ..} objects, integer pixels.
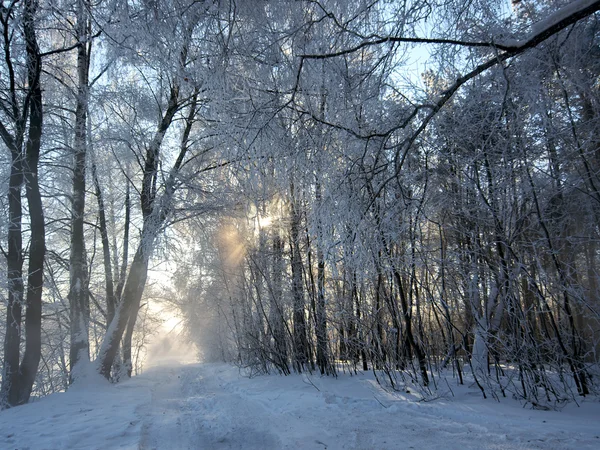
[{"x": 212, "y": 406}]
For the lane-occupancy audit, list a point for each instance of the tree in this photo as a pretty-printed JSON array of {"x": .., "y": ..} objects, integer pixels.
[
  {"x": 24, "y": 110},
  {"x": 78, "y": 289}
]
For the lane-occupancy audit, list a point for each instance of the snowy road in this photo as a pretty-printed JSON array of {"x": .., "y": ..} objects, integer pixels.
[
  {"x": 191, "y": 410},
  {"x": 212, "y": 407},
  {"x": 207, "y": 406}
]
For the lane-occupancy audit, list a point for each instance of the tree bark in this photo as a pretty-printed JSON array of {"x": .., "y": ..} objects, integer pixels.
[
  {"x": 78, "y": 286},
  {"x": 276, "y": 306},
  {"x": 37, "y": 247},
  {"x": 300, "y": 340},
  {"x": 123, "y": 271},
  {"x": 12, "y": 339},
  {"x": 132, "y": 295},
  {"x": 320, "y": 313},
  {"x": 111, "y": 301}
]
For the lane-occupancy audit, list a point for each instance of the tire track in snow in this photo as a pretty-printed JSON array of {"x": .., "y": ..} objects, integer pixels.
[{"x": 185, "y": 413}]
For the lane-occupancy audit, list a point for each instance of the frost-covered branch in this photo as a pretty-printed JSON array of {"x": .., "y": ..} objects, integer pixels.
[{"x": 561, "y": 19}]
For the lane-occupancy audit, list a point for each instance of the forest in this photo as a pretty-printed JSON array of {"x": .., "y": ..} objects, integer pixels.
[{"x": 410, "y": 188}]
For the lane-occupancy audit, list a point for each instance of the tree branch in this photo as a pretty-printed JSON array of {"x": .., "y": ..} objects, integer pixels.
[
  {"x": 570, "y": 14},
  {"x": 71, "y": 47}
]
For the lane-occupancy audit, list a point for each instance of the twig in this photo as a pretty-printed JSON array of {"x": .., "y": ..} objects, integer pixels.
[{"x": 310, "y": 381}]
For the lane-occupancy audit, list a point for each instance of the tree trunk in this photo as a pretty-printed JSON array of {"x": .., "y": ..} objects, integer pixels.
[
  {"x": 12, "y": 339},
  {"x": 408, "y": 328},
  {"x": 37, "y": 247},
  {"x": 111, "y": 301},
  {"x": 78, "y": 286},
  {"x": 127, "y": 341},
  {"x": 300, "y": 341},
  {"x": 132, "y": 295},
  {"x": 320, "y": 313},
  {"x": 123, "y": 271},
  {"x": 276, "y": 306}
]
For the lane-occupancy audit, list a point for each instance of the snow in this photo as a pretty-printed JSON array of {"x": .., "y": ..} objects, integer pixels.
[
  {"x": 560, "y": 15},
  {"x": 214, "y": 406},
  {"x": 92, "y": 416},
  {"x": 545, "y": 24}
]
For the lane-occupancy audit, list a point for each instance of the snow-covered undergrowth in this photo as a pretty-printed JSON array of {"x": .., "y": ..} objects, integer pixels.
[
  {"x": 552, "y": 390},
  {"x": 214, "y": 406}
]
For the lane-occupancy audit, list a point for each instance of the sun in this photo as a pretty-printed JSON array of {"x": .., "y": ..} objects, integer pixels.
[{"x": 264, "y": 221}]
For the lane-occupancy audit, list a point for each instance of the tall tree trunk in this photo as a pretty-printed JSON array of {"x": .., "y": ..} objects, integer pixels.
[
  {"x": 128, "y": 339},
  {"x": 359, "y": 324},
  {"x": 9, "y": 390},
  {"x": 37, "y": 247},
  {"x": 111, "y": 300},
  {"x": 300, "y": 341},
  {"x": 416, "y": 347},
  {"x": 276, "y": 306},
  {"x": 14, "y": 260},
  {"x": 132, "y": 295},
  {"x": 377, "y": 314},
  {"x": 78, "y": 286},
  {"x": 123, "y": 271},
  {"x": 320, "y": 314}
]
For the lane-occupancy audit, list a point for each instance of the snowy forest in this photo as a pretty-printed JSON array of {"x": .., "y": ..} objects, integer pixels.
[{"x": 409, "y": 188}]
